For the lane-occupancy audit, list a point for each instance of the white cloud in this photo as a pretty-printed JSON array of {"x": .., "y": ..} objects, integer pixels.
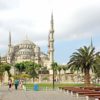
[
  {"x": 8, "y": 4},
  {"x": 73, "y": 19}
]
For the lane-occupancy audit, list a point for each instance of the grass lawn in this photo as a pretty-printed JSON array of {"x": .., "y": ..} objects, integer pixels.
[
  {"x": 49, "y": 86},
  {"x": 44, "y": 86}
]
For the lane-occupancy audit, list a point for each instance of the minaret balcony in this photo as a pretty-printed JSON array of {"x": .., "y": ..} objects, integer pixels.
[
  {"x": 51, "y": 40},
  {"x": 51, "y": 50},
  {"x": 51, "y": 31}
]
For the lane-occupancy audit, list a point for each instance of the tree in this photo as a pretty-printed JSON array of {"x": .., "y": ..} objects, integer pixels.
[
  {"x": 32, "y": 69},
  {"x": 84, "y": 60},
  {"x": 97, "y": 71},
  {"x": 54, "y": 68},
  {"x": 20, "y": 67},
  {"x": 59, "y": 68},
  {"x": 2, "y": 70},
  {"x": 64, "y": 67},
  {"x": 7, "y": 68}
]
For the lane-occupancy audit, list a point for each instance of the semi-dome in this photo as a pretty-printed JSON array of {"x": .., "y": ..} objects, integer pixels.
[{"x": 25, "y": 52}]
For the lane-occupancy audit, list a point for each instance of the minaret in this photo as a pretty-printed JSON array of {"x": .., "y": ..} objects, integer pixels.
[
  {"x": 51, "y": 41},
  {"x": 91, "y": 43},
  {"x": 37, "y": 54},
  {"x": 49, "y": 45},
  {"x": 9, "y": 45},
  {"x": 9, "y": 39}
]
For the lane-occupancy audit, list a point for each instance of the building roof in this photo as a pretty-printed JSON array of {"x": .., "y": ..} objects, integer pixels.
[{"x": 27, "y": 42}]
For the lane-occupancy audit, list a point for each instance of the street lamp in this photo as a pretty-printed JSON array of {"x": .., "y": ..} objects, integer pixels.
[
  {"x": 53, "y": 79},
  {"x": 54, "y": 66}
]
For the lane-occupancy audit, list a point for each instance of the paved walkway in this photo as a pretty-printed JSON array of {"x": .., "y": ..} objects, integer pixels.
[{"x": 5, "y": 94}]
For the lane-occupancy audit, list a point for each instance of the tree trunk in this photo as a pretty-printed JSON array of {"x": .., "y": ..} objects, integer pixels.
[
  {"x": 87, "y": 77},
  {"x": 59, "y": 77},
  {"x": 53, "y": 79},
  {"x": 9, "y": 75},
  {"x": 65, "y": 75},
  {"x": 1, "y": 79},
  {"x": 33, "y": 79}
]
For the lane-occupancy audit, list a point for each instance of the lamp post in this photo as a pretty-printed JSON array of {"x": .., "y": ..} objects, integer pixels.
[
  {"x": 53, "y": 79},
  {"x": 54, "y": 66}
]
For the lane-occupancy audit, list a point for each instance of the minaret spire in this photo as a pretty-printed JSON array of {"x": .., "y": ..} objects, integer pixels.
[
  {"x": 9, "y": 39},
  {"x": 91, "y": 43},
  {"x": 51, "y": 40},
  {"x": 52, "y": 23}
]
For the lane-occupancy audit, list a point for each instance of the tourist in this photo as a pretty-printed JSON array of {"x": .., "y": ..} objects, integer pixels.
[
  {"x": 21, "y": 84},
  {"x": 10, "y": 84},
  {"x": 16, "y": 84}
]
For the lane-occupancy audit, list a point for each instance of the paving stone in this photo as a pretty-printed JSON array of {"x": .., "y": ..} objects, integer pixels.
[{"x": 35, "y": 95}]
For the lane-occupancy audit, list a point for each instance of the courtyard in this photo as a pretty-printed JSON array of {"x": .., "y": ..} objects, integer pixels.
[{"x": 6, "y": 94}]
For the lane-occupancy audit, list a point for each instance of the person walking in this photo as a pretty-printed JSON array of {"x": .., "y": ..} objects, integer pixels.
[
  {"x": 10, "y": 84},
  {"x": 21, "y": 84},
  {"x": 16, "y": 84}
]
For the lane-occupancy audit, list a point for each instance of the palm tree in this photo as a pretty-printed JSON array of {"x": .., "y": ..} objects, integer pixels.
[
  {"x": 84, "y": 60},
  {"x": 64, "y": 69},
  {"x": 97, "y": 71},
  {"x": 54, "y": 66},
  {"x": 59, "y": 68}
]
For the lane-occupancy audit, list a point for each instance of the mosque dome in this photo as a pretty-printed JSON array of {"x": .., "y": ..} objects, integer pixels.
[
  {"x": 26, "y": 44},
  {"x": 25, "y": 52}
]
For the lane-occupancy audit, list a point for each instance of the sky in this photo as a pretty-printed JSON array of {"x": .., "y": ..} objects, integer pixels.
[{"x": 75, "y": 22}]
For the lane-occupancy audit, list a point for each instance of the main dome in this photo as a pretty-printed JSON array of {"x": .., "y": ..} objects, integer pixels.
[{"x": 27, "y": 42}]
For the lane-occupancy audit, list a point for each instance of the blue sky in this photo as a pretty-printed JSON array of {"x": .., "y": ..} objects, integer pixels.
[
  {"x": 66, "y": 48},
  {"x": 75, "y": 22}
]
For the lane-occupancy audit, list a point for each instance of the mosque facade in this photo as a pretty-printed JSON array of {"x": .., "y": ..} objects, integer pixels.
[{"x": 29, "y": 51}]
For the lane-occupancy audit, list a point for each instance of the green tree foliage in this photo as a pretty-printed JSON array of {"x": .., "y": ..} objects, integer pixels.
[
  {"x": 29, "y": 68},
  {"x": 32, "y": 69},
  {"x": 2, "y": 70},
  {"x": 84, "y": 60},
  {"x": 7, "y": 68},
  {"x": 59, "y": 68},
  {"x": 97, "y": 71},
  {"x": 64, "y": 67},
  {"x": 54, "y": 66},
  {"x": 20, "y": 67},
  {"x": 21, "y": 76}
]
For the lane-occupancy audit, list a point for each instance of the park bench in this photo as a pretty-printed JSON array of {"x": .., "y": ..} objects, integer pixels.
[
  {"x": 75, "y": 90},
  {"x": 92, "y": 88},
  {"x": 66, "y": 88},
  {"x": 92, "y": 95},
  {"x": 88, "y": 92},
  {"x": 97, "y": 97}
]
